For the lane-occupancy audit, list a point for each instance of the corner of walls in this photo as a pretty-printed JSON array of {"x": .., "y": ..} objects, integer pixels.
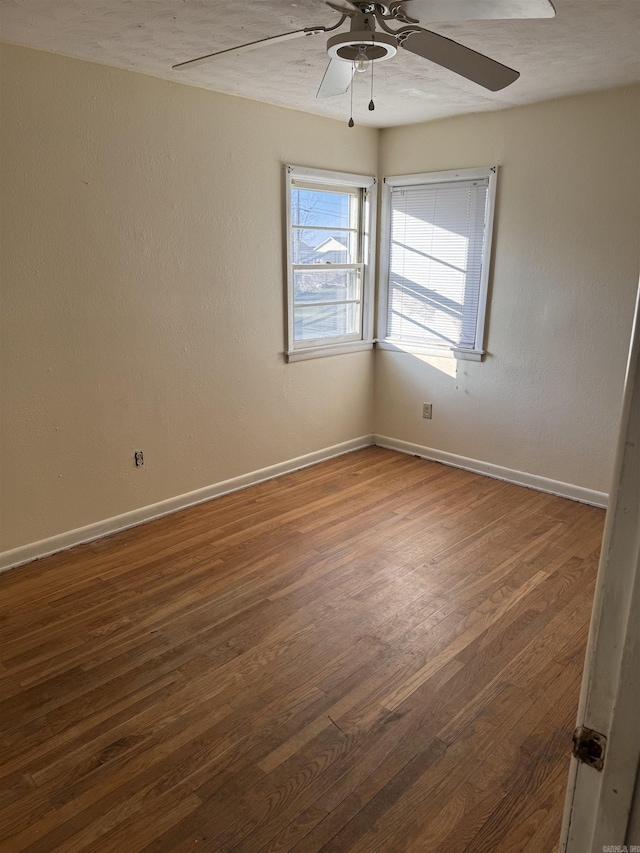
[{"x": 131, "y": 321}]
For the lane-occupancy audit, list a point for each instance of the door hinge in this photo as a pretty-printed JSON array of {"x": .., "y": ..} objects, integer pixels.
[{"x": 589, "y": 747}]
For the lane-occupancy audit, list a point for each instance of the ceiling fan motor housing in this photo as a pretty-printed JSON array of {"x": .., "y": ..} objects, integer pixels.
[{"x": 347, "y": 46}]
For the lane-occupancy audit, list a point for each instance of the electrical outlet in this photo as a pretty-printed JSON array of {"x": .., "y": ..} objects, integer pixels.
[
  {"x": 427, "y": 409},
  {"x": 138, "y": 457}
]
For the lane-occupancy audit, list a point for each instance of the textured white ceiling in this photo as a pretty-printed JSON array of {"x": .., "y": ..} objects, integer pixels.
[{"x": 590, "y": 44}]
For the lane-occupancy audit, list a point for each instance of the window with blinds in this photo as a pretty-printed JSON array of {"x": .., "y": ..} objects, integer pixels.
[{"x": 437, "y": 254}]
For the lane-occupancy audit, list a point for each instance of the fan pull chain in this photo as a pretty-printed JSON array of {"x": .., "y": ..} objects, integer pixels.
[
  {"x": 372, "y": 106},
  {"x": 351, "y": 121}
]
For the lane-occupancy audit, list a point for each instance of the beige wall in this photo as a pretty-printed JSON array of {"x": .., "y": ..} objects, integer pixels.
[
  {"x": 546, "y": 400},
  {"x": 142, "y": 295},
  {"x": 143, "y": 292}
]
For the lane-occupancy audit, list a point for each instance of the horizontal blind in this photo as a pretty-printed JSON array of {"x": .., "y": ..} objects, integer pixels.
[{"x": 435, "y": 263}]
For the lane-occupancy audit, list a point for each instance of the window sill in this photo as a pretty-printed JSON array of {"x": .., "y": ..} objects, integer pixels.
[
  {"x": 330, "y": 349},
  {"x": 417, "y": 349}
]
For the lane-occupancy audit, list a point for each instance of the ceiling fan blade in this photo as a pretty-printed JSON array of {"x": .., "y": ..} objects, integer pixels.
[
  {"x": 343, "y": 6},
  {"x": 460, "y": 59},
  {"x": 308, "y": 31},
  {"x": 337, "y": 79},
  {"x": 430, "y": 11}
]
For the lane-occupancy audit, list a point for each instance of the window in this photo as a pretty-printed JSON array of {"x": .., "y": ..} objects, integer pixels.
[
  {"x": 330, "y": 219},
  {"x": 435, "y": 268}
]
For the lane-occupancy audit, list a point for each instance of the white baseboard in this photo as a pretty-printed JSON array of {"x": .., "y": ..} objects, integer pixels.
[
  {"x": 520, "y": 478},
  {"x": 64, "y": 541}
]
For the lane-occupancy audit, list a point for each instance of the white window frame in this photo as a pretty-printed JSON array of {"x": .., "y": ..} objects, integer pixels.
[
  {"x": 389, "y": 183},
  {"x": 367, "y": 228}
]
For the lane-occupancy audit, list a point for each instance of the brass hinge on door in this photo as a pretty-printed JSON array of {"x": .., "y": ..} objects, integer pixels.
[{"x": 589, "y": 747}]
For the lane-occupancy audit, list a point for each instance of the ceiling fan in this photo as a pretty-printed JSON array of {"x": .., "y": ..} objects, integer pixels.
[{"x": 371, "y": 39}]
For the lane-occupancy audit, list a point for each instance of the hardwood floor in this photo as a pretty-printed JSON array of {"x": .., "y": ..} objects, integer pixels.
[{"x": 378, "y": 653}]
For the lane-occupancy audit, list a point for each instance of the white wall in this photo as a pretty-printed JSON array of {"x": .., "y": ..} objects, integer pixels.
[
  {"x": 546, "y": 399},
  {"x": 142, "y": 292}
]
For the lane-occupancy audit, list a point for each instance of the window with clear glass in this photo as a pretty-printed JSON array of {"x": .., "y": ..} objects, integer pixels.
[{"x": 328, "y": 249}]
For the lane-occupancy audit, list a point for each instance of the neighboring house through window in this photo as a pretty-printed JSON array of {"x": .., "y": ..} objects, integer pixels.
[
  {"x": 330, "y": 246},
  {"x": 436, "y": 246}
]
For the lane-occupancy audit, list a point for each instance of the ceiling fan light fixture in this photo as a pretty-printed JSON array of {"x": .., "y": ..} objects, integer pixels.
[{"x": 376, "y": 47}]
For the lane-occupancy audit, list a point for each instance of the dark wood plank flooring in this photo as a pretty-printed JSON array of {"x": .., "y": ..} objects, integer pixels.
[{"x": 378, "y": 653}]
